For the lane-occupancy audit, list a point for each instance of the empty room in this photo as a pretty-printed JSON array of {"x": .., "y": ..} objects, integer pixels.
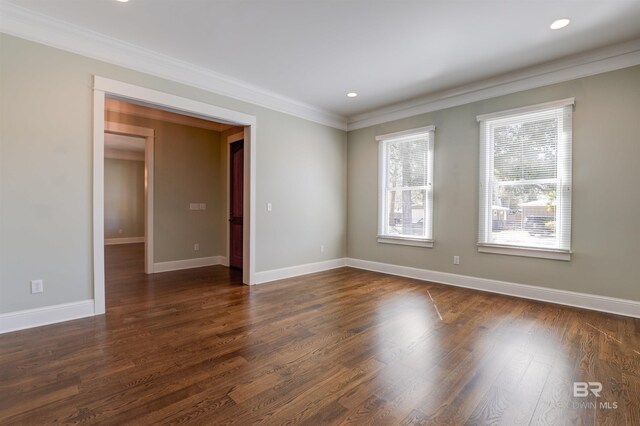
[{"x": 319, "y": 212}]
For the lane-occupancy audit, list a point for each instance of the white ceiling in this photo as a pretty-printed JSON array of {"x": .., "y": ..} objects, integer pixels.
[{"x": 314, "y": 51}]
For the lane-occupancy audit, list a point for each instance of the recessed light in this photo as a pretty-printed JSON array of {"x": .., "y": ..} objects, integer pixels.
[
  {"x": 123, "y": 1},
  {"x": 352, "y": 94},
  {"x": 560, "y": 23}
]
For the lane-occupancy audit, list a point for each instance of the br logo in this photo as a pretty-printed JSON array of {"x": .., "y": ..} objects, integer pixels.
[{"x": 582, "y": 389}]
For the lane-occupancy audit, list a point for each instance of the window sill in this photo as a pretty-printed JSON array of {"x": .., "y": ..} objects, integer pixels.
[
  {"x": 416, "y": 242},
  {"x": 525, "y": 251}
]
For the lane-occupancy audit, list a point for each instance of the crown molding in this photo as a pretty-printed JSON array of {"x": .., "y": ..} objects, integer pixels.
[
  {"x": 23, "y": 23},
  {"x": 582, "y": 65},
  {"x": 20, "y": 22}
]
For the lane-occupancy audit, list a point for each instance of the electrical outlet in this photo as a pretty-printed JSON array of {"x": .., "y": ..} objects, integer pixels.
[
  {"x": 194, "y": 206},
  {"x": 269, "y": 207},
  {"x": 196, "y": 247},
  {"x": 321, "y": 249},
  {"x": 203, "y": 206},
  {"x": 456, "y": 260},
  {"x": 37, "y": 286}
]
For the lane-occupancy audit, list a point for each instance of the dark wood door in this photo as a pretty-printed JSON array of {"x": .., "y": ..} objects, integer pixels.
[{"x": 236, "y": 181}]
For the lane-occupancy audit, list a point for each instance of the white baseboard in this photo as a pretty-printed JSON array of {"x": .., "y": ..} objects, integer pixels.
[
  {"x": 594, "y": 302},
  {"x": 128, "y": 240},
  {"x": 294, "y": 271},
  {"x": 176, "y": 265},
  {"x": 29, "y": 318}
]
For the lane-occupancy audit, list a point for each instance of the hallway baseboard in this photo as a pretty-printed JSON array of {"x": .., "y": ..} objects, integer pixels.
[{"x": 176, "y": 265}]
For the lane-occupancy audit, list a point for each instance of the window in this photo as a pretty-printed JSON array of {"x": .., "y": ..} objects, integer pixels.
[
  {"x": 406, "y": 187},
  {"x": 525, "y": 181}
]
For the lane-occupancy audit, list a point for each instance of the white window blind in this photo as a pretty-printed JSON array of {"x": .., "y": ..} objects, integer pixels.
[
  {"x": 525, "y": 179},
  {"x": 406, "y": 186}
]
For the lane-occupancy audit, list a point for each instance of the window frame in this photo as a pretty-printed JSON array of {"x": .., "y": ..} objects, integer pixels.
[
  {"x": 563, "y": 180},
  {"x": 383, "y": 140}
]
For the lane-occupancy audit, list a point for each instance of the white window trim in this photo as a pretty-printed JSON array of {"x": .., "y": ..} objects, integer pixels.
[
  {"x": 404, "y": 239},
  {"x": 485, "y": 169},
  {"x": 541, "y": 253}
]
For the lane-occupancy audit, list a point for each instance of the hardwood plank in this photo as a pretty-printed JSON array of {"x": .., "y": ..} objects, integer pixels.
[{"x": 339, "y": 347}]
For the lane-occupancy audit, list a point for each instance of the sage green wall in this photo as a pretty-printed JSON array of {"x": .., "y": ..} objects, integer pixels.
[
  {"x": 123, "y": 198},
  {"x": 46, "y": 171},
  {"x": 606, "y": 192},
  {"x": 187, "y": 169}
]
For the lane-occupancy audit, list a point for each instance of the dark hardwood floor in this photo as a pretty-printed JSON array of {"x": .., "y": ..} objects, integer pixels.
[{"x": 339, "y": 347}]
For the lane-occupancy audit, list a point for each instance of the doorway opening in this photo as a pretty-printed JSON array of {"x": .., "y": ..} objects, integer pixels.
[
  {"x": 128, "y": 186},
  {"x": 162, "y": 239}
]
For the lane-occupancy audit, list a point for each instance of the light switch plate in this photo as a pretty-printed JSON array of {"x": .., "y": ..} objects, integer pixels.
[
  {"x": 37, "y": 286},
  {"x": 194, "y": 206},
  {"x": 203, "y": 206}
]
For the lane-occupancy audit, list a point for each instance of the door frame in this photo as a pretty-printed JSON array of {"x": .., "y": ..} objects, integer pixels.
[
  {"x": 149, "y": 146},
  {"x": 104, "y": 87}
]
